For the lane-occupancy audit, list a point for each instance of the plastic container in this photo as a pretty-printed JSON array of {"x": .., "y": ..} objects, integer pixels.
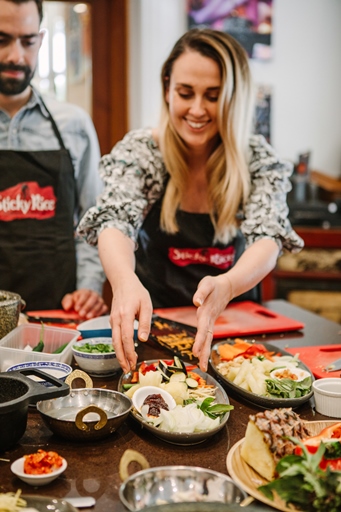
[
  {"x": 327, "y": 395},
  {"x": 12, "y": 346}
]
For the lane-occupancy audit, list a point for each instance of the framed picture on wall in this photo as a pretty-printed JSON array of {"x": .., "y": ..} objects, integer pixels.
[{"x": 248, "y": 21}]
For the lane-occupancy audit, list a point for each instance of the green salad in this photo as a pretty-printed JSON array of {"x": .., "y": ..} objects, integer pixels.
[{"x": 99, "y": 348}]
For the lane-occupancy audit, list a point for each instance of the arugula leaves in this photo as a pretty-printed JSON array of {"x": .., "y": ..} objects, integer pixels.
[
  {"x": 303, "y": 484},
  {"x": 287, "y": 388}
]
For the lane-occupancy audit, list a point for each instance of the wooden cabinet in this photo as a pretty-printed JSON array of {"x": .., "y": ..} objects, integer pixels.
[{"x": 314, "y": 238}]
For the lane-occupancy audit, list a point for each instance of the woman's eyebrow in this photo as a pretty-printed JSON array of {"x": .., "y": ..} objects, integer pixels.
[{"x": 215, "y": 88}]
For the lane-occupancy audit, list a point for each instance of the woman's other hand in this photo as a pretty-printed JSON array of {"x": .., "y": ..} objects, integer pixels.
[{"x": 211, "y": 298}]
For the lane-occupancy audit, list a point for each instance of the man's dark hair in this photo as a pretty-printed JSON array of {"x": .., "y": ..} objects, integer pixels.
[{"x": 39, "y": 4}]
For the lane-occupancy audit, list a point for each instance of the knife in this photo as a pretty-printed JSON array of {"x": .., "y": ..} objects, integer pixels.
[
  {"x": 54, "y": 320},
  {"x": 334, "y": 366}
]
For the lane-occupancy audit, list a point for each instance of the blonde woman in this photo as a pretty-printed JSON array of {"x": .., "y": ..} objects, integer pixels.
[{"x": 194, "y": 211}]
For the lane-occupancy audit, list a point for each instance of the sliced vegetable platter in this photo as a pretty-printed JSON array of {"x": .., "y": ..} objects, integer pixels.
[
  {"x": 176, "y": 376},
  {"x": 249, "y": 480},
  {"x": 253, "y": 376}
]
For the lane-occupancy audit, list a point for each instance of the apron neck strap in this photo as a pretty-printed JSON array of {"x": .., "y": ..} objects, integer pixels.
[{"x": 54, "y": 125}]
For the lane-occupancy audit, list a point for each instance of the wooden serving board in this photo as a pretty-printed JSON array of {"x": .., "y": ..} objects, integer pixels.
[
  {"x": 238, "y": 319},
  {"x": 317, "y": 357},
  {"x": 249, "y": 480}
]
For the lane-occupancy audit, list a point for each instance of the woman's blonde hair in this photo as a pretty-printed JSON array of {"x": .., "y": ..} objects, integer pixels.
[{"x": 228, "y": 174}]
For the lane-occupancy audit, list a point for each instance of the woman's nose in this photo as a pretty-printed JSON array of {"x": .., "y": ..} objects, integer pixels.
[{"x": 198, "y": 106}]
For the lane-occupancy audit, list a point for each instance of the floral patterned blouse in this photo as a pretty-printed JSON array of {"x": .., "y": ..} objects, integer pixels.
[{"x": 135, "y": 176}]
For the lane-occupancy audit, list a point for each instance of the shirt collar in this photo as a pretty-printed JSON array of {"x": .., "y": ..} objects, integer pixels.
[{"x": 36, "y": 101}]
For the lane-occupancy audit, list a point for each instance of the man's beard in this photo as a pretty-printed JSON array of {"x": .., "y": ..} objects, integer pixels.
[{"x": 12, "y": 86}]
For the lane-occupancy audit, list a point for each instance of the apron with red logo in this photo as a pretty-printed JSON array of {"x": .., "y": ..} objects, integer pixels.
[
  {"x": 37, "y": 203},
  {"x": 171, "y": 266}
]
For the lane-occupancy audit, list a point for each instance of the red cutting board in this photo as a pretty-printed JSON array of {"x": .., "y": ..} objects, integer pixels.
[
  {"x": 316, "y": 358},
  {"x": 239, "y": 319},
  {"x": 70, "y": 318}
]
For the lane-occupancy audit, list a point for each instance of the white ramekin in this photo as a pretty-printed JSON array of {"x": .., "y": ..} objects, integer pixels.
[{"x": 327, "y": 395}]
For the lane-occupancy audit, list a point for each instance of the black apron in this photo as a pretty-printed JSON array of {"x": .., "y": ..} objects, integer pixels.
[
  {"x": 37, "y": 204},
  {"x": 171, "y": 266}
]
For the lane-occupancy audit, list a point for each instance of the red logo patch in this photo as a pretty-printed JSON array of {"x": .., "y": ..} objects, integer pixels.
[
  {"x": 27, "y": 201},
  {"x": 219, "y": 258}
]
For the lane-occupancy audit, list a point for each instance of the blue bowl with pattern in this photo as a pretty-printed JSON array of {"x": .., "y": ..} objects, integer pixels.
[
  {"x": 96, "y": 356},
  {"x": 55, "y": 368}
]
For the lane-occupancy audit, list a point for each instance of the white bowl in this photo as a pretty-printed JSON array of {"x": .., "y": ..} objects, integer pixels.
[
  {"x": 58, "y": 370},
  {"x": 141, "y": 394},
  {"x": 99, "y": 327},
  {"x": 327, "y": 394},
  {"x": 17, "y": 468},
  {"x": 103, "y": 364}
]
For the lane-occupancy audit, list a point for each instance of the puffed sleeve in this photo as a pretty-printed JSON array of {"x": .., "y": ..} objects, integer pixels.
[
  {"x": 266, "y": 211},
  {"x": 134, "y": 178}
]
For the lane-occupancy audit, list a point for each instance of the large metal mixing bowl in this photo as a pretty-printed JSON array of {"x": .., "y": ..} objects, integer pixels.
[
  {"x": 170, "y": 484},
  {"x": 86, "y": 414}
]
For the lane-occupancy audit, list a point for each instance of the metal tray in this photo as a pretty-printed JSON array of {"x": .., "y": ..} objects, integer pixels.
[{"x": 262, "y": 401}]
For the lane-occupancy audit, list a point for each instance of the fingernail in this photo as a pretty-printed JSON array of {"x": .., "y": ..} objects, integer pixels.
[
  {"x": 143, "y": 336},
  {"x": 82, "y": 312}
]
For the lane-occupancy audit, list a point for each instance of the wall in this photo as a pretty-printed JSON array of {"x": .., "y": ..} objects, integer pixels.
[{"x": 305, "y": 73}]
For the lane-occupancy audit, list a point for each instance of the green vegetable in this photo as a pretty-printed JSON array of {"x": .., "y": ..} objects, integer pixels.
[
  {"x": 40, "y": 346},
  {"x": 287, "y": 388},
  {"x": 100, "y": 348},
  {"x": 216, "y": 410},
  {"x": 60, "y": 349},
  {"x": 303, "y": 484}
]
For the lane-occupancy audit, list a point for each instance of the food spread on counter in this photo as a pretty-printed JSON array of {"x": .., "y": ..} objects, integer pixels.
[
  {"x": 266, "y": 373},
  {"x": 303, "y": 470},
  {"x": 180, "y": 400}
]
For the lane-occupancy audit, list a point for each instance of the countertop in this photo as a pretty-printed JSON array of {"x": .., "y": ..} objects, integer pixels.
[{"x": 93, "y": 466}]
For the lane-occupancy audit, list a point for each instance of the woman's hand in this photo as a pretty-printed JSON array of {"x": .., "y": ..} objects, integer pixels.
[
  {"x": 214, "y": 293},
  {"x": 130, "y": 301},
  {"x": 211, "y": 298}
]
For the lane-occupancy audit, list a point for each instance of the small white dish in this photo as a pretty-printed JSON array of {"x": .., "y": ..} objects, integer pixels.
[
  {"x": 17, "y": 468},
  {"x": 141, "y": 394},
  {"x": 327, "y": 395}
]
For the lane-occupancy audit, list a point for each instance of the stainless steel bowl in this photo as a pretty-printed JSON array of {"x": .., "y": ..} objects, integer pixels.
[
  {"x": 171, "y": 484},
  {"x": 86, "y": 414}
]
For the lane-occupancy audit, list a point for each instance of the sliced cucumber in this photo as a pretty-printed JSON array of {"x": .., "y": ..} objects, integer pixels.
[
  {"x": 178, "y": 377},
  {"x": 191, "y": 383},
  {"x": 180, "y": 364}
]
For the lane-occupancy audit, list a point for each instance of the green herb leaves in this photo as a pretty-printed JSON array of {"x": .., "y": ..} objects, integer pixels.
[
  {"x": 303, "y": 484},
  {"x": 287, "y": 388},
  {"x": 216, "y": 410}
]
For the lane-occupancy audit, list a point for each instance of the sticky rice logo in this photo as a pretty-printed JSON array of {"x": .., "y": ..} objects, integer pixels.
[
  {"x": 219, "y": 258},
  {"x": 27, "y": 201}
]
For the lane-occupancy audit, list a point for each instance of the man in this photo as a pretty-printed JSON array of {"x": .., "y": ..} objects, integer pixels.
[{"x": 49, "y": 155}]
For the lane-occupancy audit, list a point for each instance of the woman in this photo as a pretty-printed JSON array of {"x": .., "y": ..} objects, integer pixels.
[{"x": 194, "y": 211}]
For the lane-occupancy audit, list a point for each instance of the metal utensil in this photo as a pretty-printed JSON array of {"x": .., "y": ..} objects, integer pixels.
[
  {"x": 81, "y": 501},
  {"x": 334, "y": 366}
]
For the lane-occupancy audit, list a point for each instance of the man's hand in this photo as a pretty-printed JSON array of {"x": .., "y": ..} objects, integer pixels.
[{"x": 87, "y": 303}]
